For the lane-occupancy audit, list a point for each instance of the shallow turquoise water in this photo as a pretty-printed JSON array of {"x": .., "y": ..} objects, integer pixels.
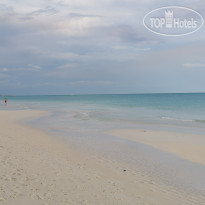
[{"x": 163, "y": 108}]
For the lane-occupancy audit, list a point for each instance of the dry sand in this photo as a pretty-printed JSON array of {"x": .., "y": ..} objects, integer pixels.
[
  {"x": 37, "y": 169},
  {"x": 187, "y": 146}
]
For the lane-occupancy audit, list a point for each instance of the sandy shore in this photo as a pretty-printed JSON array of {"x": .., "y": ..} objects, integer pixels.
[
  {"x": 187, "y": 146},
  {"x": 37, "y": 169}
]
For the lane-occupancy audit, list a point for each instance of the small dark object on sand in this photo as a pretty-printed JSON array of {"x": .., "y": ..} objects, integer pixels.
[{"x": 124, "y": 170}]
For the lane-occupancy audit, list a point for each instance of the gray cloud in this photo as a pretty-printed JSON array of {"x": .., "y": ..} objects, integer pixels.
[
  {"x": 79, "y": 15},
  {"x": 194, "y": 65},
  {"x": 46, "y": 11}
]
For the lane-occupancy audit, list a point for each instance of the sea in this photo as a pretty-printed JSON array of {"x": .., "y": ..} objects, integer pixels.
[
  {"x": 157, "y": 111},
  {"x": 83, "y": 122}
]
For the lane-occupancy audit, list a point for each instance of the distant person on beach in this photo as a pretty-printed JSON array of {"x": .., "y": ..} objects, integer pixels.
[{"x": 5, "y": 100}]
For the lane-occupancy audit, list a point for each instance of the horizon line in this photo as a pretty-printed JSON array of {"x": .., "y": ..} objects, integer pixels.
[{"x": 148, "y": 93}]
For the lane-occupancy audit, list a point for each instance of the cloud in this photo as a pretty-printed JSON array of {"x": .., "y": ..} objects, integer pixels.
[
  {"x": 46, "y": 11},
  {"x": 34, "y": 67},
  {"x": 80, "y": 15},
  {"x": 88, "y": 42},
  {"x": 194, "y": 65},
  {"x": 67, "y": 66},
  {"x": 4, "y": 69}
]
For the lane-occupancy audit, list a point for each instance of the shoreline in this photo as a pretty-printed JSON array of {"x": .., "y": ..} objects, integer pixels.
[{"x": 38, "y": 169}]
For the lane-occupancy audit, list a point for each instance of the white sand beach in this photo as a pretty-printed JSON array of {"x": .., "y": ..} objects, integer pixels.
[
  {"x": 35, "y": 169},
  {"x": 187, "y": 146}
]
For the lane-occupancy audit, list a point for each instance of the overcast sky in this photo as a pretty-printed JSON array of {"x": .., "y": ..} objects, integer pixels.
[{"x": 95, "y": 46}]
